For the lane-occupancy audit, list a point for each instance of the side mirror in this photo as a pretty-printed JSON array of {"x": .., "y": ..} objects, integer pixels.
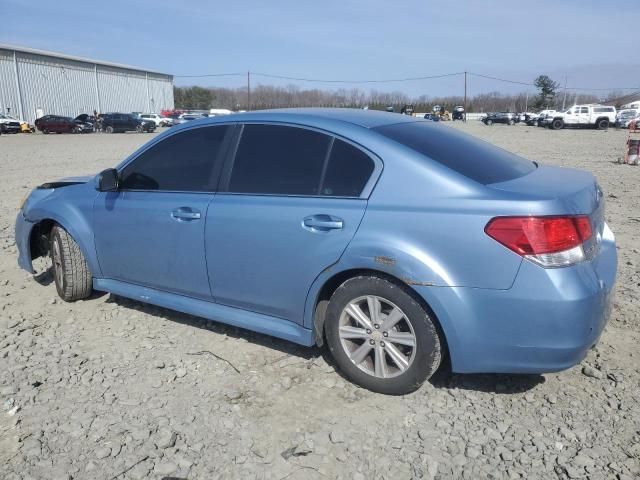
[{"x": 107, "y": 180}]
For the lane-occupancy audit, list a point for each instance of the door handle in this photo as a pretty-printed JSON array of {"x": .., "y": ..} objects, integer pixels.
[
  {"x": 322, "y": 223},
  {"x": 185, "y": 214}
]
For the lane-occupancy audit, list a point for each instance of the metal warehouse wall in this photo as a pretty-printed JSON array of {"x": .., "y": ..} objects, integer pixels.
[{"x": 69, "y": 87}]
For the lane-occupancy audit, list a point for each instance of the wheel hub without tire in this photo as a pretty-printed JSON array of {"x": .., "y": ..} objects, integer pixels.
[{"x": 377, "y": 336}]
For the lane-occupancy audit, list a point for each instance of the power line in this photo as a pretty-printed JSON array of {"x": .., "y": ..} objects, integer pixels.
[
  {"x": 567, "y": 88},
  {"x": 502, "y": 79},
  {"x": 394, "y": 80},
  {"x": 318, "y": 80}
]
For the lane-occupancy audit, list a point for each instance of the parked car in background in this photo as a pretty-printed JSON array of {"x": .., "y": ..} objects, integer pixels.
[
  {"x": 187, "y": 117},
  {"x": 159, "y": 120},
  {"x": 500, "y": 117},
  {"x": 582, "y": 116},
  {"x": 534, "y": 119},
  {"x": 626, "y": 116},
  {"x": 458, "y": 113},
  {"x": 497, "y": 262},
  {"x": 125, "y": 122},
  {"x": 9, "y": 124},
  {"x": 215, "y": 112},
  {"x": 60, "y": 124},
  {"x": 86, "y": 118}
]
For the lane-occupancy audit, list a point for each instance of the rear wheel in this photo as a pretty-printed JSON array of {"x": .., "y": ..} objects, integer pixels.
[
  {"x": 70, "y": 270},
  {"x": 381, "y": 337},
  {"x": 602, "y": 124}
]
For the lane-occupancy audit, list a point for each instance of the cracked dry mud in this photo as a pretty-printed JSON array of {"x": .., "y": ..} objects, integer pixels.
[{"x": 109, "y": 388}]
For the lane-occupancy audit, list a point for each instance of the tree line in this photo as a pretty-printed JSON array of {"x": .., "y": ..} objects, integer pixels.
[{"x": 269, "y": 96}]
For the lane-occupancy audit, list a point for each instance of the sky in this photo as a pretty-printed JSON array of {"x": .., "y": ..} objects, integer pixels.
[{"x": 591, "y": 43}]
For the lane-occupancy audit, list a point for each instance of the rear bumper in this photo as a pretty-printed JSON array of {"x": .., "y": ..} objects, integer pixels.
[
  {"x": 547, "y": 321},
  {"x": 23, "y": 234}
]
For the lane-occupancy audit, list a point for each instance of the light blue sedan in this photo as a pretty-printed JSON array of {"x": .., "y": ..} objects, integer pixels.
[{"x": 393, "y": 240}]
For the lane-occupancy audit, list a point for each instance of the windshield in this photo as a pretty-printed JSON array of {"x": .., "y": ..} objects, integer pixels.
[{"x": 473, "y": 158}]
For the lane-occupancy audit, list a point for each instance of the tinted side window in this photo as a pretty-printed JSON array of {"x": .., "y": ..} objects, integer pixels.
[
  {"x": 182, "y": 162},
  {"x": 475, "y": 159},
  {"x": 348, "y": 171},
  {"x": 274, "y": 159}
]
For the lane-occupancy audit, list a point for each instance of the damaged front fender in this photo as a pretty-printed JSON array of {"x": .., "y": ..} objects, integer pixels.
[{"x": 23, "y": 236}]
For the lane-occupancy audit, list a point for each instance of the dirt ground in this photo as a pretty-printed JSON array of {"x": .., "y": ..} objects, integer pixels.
[{"x": 109, "y": 388}]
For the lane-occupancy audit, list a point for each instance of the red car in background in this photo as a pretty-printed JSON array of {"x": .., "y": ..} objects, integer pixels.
[{"x": 60, "y": 124}]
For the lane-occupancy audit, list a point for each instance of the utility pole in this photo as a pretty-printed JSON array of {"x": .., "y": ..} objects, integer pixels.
[
  {"x": 248, "y": 90},
  {"x": 526, "y": 102},
  {"x": 564, "y": 99},
  {"x": 465, "y": 96}
]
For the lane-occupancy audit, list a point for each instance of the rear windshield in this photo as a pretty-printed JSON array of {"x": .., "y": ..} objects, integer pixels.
[{"x": 473, "y": 158}]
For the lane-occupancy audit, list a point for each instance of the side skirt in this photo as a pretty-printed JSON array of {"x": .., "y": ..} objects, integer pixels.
[{"x": 257, "y": 322}]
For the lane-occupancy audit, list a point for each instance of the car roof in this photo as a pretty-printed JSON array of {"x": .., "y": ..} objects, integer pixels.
[{"x": 362, "y": 118}]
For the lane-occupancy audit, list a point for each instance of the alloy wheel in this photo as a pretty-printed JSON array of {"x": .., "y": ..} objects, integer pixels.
[{"x": 377, "y": 336}]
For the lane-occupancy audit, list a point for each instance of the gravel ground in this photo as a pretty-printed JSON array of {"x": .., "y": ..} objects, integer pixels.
[{"x": 110, "y": 388}]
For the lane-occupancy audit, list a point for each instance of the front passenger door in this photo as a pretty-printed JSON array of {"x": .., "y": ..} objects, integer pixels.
[{"x": 151, "y": 231}]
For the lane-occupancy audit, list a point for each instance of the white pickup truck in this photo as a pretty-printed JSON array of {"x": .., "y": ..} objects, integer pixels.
[{"x": 585, "y": 116}]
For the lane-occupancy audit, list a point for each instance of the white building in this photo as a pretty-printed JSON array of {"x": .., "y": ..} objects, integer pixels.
[{"x": 36, "y": 82}]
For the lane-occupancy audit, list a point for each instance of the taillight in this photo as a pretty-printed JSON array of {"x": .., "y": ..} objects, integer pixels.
[{"x": 548, "y": 241}]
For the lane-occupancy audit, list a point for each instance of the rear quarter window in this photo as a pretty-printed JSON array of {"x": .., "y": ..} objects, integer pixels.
[
  {"x": 348, "y": 171},
  {"x": 475, "y": 159}
]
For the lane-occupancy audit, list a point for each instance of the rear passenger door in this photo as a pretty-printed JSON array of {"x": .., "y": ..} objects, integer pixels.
[{"x": 289, "y": 203}]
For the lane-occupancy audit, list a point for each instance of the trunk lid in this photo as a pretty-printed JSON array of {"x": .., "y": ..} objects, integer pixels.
[{"x": 562, "y": 191}]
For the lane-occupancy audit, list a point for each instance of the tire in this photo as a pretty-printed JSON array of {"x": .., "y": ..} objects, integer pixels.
[
  {"x": 45, "y": 131},
  {"x": 602, "y": 124},
  {"x": 139, "y": 129},
  {"x": 109, "y": 129},
  {"x": 557, "y": 124},
  {"x": 512, "y": 122},
  {"x": 535, "y": 123},
  {"x": 70, "y": 270},
  {"x": 489, "y": 122},
  {"x": 76, "y": 130},
  {"x": 378, "y": 370}
]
